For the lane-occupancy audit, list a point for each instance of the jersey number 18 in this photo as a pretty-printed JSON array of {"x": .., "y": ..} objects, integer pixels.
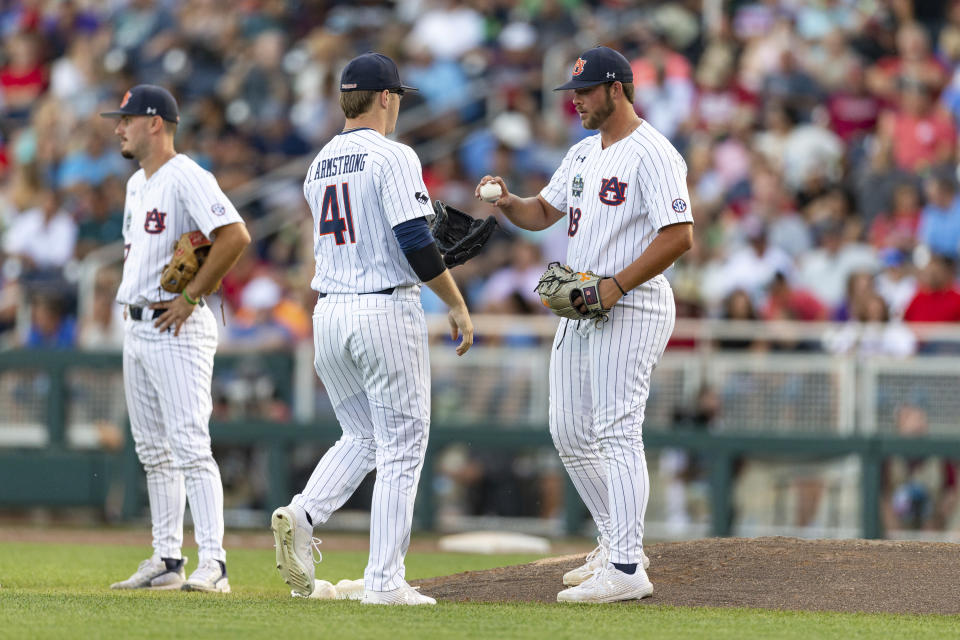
[{"x": 330, "y": 220}]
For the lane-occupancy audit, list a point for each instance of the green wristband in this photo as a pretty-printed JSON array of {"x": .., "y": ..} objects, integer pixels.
[{"x": 189, "y": 299}]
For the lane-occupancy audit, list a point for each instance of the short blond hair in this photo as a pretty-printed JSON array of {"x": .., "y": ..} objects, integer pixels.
[{"x": 356, "y": 103}]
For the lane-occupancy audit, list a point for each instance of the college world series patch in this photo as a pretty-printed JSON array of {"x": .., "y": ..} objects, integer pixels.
[{"x": 576, "y": 186}]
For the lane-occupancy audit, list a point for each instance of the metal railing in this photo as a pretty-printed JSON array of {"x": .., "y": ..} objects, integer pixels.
[{"x": 782, "y": 407}]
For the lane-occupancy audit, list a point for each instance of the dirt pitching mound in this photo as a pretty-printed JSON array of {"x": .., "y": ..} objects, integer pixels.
[{"x": 768, "y": 573}]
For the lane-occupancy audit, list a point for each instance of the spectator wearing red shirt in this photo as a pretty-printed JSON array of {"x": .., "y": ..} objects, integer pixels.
[
  {"x": 913, "y": 61},
  {"x": 898, "y": 229},
  {"x": 938, "y": 298},
  {"x": 787, "y": 303},
  {"x": 24, "y": 78},
  {"x": 659, "y": 59},
  {"x": 920, "y": 133},
  {"x": 853, "y": 110}
]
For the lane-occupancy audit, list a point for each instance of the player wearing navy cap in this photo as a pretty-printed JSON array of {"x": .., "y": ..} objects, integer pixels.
[
  {"x": 170, "y": 340},
  {"x": 373, "y": 248},
  {"x": 624, "y": 195}
]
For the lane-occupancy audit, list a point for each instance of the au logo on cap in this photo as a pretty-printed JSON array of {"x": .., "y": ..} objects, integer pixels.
[{"x": 578, "y": 67}]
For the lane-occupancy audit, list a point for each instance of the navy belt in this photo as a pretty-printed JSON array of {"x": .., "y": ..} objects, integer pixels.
[{"x": 382, "y": 292}]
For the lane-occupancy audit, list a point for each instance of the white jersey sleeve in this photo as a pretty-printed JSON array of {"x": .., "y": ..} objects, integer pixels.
[
  {"x": 663, "y": 182},
  {"x": 203, "y": 200},
  {"x": 556, "y": 190},
  {"x": 402, "y": 190}
]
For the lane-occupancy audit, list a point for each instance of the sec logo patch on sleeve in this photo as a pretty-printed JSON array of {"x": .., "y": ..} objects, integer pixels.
[{"x": 679, "y": 205}]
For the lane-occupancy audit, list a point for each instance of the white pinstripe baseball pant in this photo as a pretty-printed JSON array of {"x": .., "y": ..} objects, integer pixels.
[
  {"x": 167, "y": 384},
  {"x": 371, "y": 354},
  {"x": 599, "y": 383}
]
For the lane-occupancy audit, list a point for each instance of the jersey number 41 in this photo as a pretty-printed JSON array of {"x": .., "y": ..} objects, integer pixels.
[{"x": 330, "y": 220}]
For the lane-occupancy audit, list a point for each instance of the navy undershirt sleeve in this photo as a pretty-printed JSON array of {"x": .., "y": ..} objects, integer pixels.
[
  {"x": 420, "y": 248},
  {"x": 413, "y": 234}
]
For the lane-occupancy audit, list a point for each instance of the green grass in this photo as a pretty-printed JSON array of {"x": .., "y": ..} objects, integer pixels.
[{"x": 60, "y": 591}]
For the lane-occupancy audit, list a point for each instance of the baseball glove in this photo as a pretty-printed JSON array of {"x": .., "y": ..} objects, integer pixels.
[
  {"x": 560, "y": 284},
  {"x": 188, "y": 256},
  {"x": 459, "y": 236}
]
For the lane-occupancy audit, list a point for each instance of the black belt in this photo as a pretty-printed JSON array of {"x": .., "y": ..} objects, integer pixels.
[
  {"x": 382, "y": 292},
  {"x": 137, "y": 312}
]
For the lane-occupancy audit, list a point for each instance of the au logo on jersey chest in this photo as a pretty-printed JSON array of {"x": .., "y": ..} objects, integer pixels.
[
  {"x": 612, "y": 191},
  {"x": 156, "y": 221}
]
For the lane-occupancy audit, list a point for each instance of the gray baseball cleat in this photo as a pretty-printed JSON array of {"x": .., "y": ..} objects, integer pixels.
[
  {"x": 155, "y": 573},
  {"x": 210, "y": 577},
  {"x": 293, "y": 539}
]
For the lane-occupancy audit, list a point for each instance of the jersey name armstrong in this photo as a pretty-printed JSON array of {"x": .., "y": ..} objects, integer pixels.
[{"x": 350, "y": 163}]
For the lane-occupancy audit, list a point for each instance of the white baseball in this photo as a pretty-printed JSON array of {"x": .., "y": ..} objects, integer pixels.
[{"x": 490, "y": 191}]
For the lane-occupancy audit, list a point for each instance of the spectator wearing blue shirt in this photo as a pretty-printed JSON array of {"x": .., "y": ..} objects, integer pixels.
[
  {"x": 50, "y": 327},
  {"x": 940, "y": 220}
]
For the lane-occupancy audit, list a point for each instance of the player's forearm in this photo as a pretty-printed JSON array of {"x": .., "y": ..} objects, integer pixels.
[
  {"x": 528, "y": 213},
  {"x": 671, "y": 243},
  {"x": 230, "y": 242},
  {"x": 446, "y": 289}
]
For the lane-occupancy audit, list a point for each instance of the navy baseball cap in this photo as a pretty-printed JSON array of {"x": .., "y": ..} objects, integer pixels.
[
  {"x": 147, "y": 100},
  {"x": 371, "y": 72},
  {"x": 598, "y": 66}
]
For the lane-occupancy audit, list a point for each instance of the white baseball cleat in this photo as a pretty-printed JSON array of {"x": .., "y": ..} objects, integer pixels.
[
  {"x": 210, "y": 577},
  {"x": 293, "y": 538},
  {"x": 597, "y": 558},
  {"x": 608, "y": 584},
  {"x": 403, "y": 595},
  {"x": 155, "y": 573}
]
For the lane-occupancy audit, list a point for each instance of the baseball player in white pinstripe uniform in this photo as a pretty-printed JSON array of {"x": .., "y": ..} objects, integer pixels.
[
  {"x": 373, "y": 248},
  {"x": 625, "y": 198},
  {"x": 170, "y": 340}
]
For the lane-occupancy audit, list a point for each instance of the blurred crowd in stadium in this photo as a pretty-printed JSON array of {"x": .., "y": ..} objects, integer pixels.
[{"x": 820, "y": 137}]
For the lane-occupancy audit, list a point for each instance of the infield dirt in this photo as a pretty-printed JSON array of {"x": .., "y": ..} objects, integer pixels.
[{"x": 768, "y": 573}]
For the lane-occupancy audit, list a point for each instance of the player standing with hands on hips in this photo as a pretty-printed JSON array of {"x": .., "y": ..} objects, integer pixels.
[
  {"x": 373, "y": 248},
  {"x": 625, "y": 197},
  {"x": 170, "y": 339}
]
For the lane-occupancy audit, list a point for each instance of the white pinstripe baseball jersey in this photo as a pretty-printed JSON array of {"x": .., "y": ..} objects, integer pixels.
[
  {"x": 359, "y": 187},
  {"x": 371, "y": 350},
  {"x": 617, "y": 199},
  {"x": 179, "y": 197},
  {"x": 167, "y": 378}
]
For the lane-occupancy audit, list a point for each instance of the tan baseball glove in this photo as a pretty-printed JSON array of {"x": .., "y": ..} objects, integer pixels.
[
  {"x": 560, "y": 284},
  {"x": 188, "y": 256}
]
